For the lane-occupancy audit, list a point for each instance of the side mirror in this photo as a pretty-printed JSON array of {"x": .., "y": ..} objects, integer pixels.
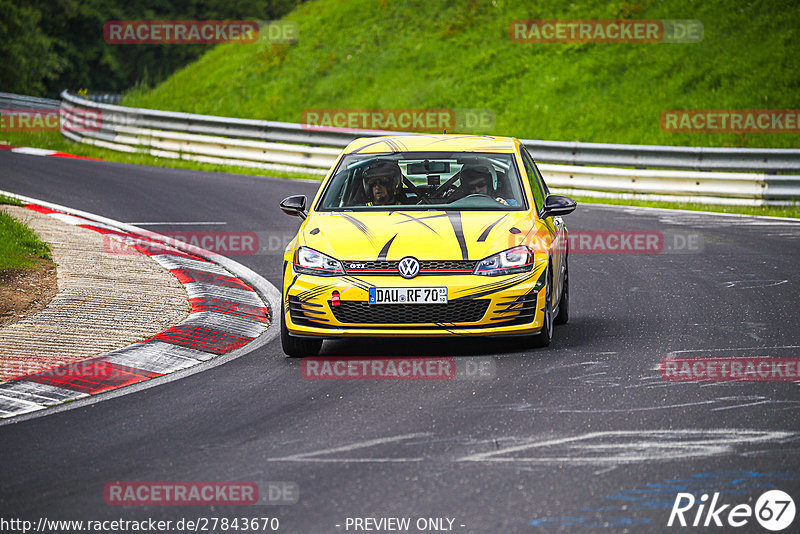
[
  {"x": 294, "y": 205},
  {"x": 558, "y": 205}
]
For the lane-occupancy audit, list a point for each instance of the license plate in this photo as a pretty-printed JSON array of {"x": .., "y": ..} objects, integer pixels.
[{"x": 407, "y": 295}]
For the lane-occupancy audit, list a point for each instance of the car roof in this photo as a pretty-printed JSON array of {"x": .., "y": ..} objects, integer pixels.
[{"x": 432, "y": 143}]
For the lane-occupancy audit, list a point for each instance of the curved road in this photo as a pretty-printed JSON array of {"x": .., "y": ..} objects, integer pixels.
[{"x": 583, "y": 435}]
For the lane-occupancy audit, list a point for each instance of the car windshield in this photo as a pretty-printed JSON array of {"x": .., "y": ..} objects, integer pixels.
[{"x": 433, "y": 180}]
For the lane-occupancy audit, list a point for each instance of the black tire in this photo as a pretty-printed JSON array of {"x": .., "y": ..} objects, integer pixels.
[
  {"x": 297, "y": 347},
  {"x": 545, "y": 336},
  {"x": 563, "y": 306}
]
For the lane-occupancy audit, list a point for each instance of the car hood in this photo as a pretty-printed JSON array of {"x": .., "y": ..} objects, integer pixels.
[{"x": 451, "y": 235}]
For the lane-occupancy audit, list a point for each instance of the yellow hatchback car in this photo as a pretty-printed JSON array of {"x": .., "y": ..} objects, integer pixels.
[{"x": 427, "y": 236}]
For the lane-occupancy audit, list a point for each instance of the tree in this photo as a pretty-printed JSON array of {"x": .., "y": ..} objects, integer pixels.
[
  {"x": 51, "y": 45},
  {"x": 29, "y": 59}
]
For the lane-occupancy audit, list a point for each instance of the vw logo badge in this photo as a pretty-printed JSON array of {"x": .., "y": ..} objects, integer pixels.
[{"x": 408, "y": 267}]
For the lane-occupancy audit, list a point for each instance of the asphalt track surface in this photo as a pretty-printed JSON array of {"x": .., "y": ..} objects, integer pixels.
[{"x": 583, "y": 436}]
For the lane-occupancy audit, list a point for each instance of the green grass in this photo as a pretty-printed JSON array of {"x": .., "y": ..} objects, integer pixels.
[
  {"x": 9, "y": 200},
  {"x": 457, "y": 54},
  {"x": 19, "y": 245}
]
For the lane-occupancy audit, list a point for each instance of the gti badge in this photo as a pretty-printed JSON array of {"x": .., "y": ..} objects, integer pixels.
[{"x": 408, "y": 267}]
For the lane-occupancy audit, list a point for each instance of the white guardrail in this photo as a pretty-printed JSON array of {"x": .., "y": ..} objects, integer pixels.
[
  {"x": 12, "y": 101},
  {"x": 696, "y": 174}
]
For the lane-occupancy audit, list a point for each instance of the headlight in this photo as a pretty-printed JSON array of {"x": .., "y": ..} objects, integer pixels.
[
  {"x": 309, "y": 261},
  {"x": 514, "y": 260}
]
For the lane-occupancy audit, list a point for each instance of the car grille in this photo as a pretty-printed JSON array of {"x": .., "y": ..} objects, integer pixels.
[
  {"x": 426, "y": 267},
  {"x": 457, "y": 311}
]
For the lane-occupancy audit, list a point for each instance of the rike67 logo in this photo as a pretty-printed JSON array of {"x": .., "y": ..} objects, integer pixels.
[{"x": 774, "y": 510}]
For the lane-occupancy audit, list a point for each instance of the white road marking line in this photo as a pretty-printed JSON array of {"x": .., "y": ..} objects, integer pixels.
[
  {"x": 607, "y": 449},
  {"x": 33, "y": 151},
  {"x": 741, "y": 405},
  {"x": 652, "y": 445},
  {"x": 753, "y": 284},
  {"x": 640, "y": 409},
  {"x": 309, "y": 456},
  {"x": 344, "y": 460},
  {"x": 606, "y": 470}
]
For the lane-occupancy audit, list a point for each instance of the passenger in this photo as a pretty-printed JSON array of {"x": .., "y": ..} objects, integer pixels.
[{"x": 477, "y": 180}]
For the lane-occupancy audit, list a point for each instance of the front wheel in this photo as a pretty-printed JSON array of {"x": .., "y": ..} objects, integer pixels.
[
  {"x": 296, "y": 347},
  {"x": 545, "y": 336}
]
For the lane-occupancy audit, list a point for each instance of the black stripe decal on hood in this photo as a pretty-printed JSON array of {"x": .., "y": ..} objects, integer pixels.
[
  {"x": 455, "y": 220},
  {"x": 360, "y": 225},
  {"x": 424, "y": 218},
  {"x": 411, "y": 218},
  {"x": 396, "y": 145},
  {"x": 485, "y": 233},
  {"x": 385, "y": 250},
  {"x": 378, "y": 141}
]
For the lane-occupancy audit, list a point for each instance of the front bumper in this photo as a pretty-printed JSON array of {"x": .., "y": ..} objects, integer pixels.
[{"x": 477, "y": 306}]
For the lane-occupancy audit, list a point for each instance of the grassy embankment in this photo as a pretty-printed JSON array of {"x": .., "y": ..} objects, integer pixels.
[{"x": 20, "y": 247}]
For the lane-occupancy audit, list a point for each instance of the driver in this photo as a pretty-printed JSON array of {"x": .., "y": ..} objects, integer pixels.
[{"x": 382, "y": 184}]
